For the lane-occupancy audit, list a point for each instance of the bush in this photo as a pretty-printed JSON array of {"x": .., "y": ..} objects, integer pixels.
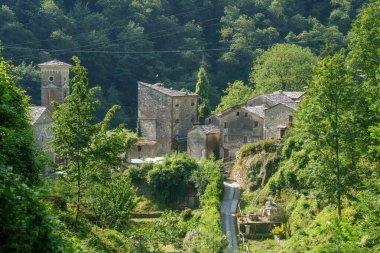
[
  {"x": 25, "y": 223},
  {"x": 279, "y": 231}
]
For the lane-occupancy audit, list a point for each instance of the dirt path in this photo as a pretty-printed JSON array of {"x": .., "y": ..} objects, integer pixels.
[{"x": 229, "y": 204}]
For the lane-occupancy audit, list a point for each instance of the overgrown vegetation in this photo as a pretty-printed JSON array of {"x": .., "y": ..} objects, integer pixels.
[{"x": 328, "y": 160}]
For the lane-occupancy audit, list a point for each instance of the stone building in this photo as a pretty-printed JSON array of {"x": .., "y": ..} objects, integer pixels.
[
  {"x": 166, "y": 116},
  {"x": 238, "y": 125},
  {"x": 204, "y": 141},
  {"x": 54, "y": 82},
  {"x": 54, "y": 87},
  {"x": 265, "y": 116},
  {"x": 278, "y": 119},
  {"x": 41, "y": 120}
]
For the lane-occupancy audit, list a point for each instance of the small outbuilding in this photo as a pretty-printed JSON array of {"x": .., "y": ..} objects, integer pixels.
[{"x": 204, "y": 141}]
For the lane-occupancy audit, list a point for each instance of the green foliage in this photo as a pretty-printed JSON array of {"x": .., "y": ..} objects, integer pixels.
[
  {"x": 209, "y": 237},
  {"x": 111, "y": 201},
  {"x": 268, "y": 146},
  {"x": 90, "y": 150},
  {"x": 16, "y": 137},
  {"x": 171, "y": 181},
  {"x": 202, "y": 89},
  {"x": 283, "y": 67},
  {"x": 209, "y": 170},
  {"x": 27, "y": 225},
  {"x": 235, "y": 94}
]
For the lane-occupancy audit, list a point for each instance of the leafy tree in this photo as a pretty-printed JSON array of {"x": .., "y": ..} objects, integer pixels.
[
  {"x": 111, "y": 201},
  {"x": 171, "y": 180},
  {"x": 26, "y": 225},
  {"x": 202, "y": 88},
  {"x": 364, "y": 59},
  {"x": 90, "y": 150},
  {"x": 283, "y": 67},
  {"x": 16, "y": 137},
  {"x": 236, "y": 93},
  {"x": 326, "y": 122}
]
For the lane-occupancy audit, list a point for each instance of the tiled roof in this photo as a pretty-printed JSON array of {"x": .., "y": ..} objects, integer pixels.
[
  {"x": 291, "y": 105},
  {"x": 228, "y": 110},
  {"x": 258, "y": 110},
  {"x": 54, "y": 62},
  {"x": 171, "y": 92},
  {"x": 209, "y": 129},
  {"x": 295, "y": 95},
  {"x": 278, "y": 97},
  {"x": 36, "y": 112}
]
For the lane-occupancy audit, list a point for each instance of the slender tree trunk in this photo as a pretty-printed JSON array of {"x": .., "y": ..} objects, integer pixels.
[
  {"x": 78, "y": 194},
  {"x": 337, "y": 161}
]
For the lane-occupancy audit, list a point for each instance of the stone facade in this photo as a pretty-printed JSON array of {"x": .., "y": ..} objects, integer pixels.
[
  {"x": 54, "y": 82},
  {"x": 204, "y": 141},
  {"x": 41, "y": 122},
  {"x": 166, "y": 115},
  {"x": 145, "y": 149},
  {"x": 278, "y": 119},
  {"x": 266, "y": 116}
]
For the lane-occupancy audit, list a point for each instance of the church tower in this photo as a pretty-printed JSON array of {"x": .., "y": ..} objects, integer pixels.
[{"x": 54, "y": 82}]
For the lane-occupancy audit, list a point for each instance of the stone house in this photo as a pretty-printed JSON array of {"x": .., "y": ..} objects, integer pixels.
[
  {"x": 165, "y": 116},
  {"x": 204, "y": 141},
  {"x": 265, "y": 116},
  {"x": 41, "y": 120}
]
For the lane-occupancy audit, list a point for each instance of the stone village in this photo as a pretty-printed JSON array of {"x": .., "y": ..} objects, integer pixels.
[
  {"x": 167, "y": 122},
  {"x": 167, "y": 118}
]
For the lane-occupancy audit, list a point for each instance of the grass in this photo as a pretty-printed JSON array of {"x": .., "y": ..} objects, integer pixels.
[{"x": 263, "y": 246}]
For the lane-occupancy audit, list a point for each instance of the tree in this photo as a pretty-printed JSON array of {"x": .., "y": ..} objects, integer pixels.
[
  {"x": 236, "y": 93},
  {"x": 283, "y": 67},
  {"x": 90, "y": 150},
  {"x": 202, "y": 88},
  {"x": 16, "y": 137},
  {"x": 326, "y": 123},
  {"x": 363, "y": 58}
]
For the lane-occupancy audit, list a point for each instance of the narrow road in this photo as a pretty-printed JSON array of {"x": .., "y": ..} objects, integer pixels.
[{"x": 229, "y": 204}]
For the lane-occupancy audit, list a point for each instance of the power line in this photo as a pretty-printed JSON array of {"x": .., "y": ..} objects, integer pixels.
[{"x": 122, "y": 26}]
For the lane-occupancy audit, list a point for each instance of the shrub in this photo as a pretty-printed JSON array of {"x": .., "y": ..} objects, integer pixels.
[{"x": 279, "y": 231}]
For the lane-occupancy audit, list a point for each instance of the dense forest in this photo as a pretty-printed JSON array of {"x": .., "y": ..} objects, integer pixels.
[{"x": 121, "y": 42}]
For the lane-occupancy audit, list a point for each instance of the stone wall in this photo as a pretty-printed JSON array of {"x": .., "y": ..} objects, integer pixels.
[
  {"x": 196, "y": 144},
  {"x": 54, "y": 85},
  {"x": 43, "y": 134},
  {"x": 238, "y": 129},
  {"x": 156, "y": 105},
  {"x": 275, "y": 118},
  {"x": 184, "y": 114}
]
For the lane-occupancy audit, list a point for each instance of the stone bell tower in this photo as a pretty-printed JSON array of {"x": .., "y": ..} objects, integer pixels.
[{"x": 54, "y": 82}]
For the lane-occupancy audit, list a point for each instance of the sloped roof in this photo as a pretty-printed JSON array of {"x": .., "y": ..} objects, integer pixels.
[
  {"x": 36, "y": 112},
  {"x": 291, "y": 105},
  {"x": 209, "y": 129},
  {"x": 278, "y": 97},
  {"x": 295, "y": 95},
  {"x": 226, "y": 111},
  {"x": 258, "y": 110},
  {"x": 54, "y": 62},
  {"x": 170, "y": 92}
]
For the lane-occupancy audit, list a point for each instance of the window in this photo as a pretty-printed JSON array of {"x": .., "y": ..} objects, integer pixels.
[
  {"x": 245, "y": 139},
  {"x": 255, "y": 124},
  {"x": 177, "y": 121},
  {"x": 282, "y": 133},
  {"x": 225, "y": 125},
  {"x": 290, "y": 119},
  {"x": 139, "y": 148},
  {"x": 51, "y": 78},
  {"x": 209, "y": 120},
  {"x": 246, "y": 114},
  {"x": 225, "y": 138},
  {"x": 176, "y": 105},
  {"x": 237, "y": 114},
  {"x": 192, "y": 103}
]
